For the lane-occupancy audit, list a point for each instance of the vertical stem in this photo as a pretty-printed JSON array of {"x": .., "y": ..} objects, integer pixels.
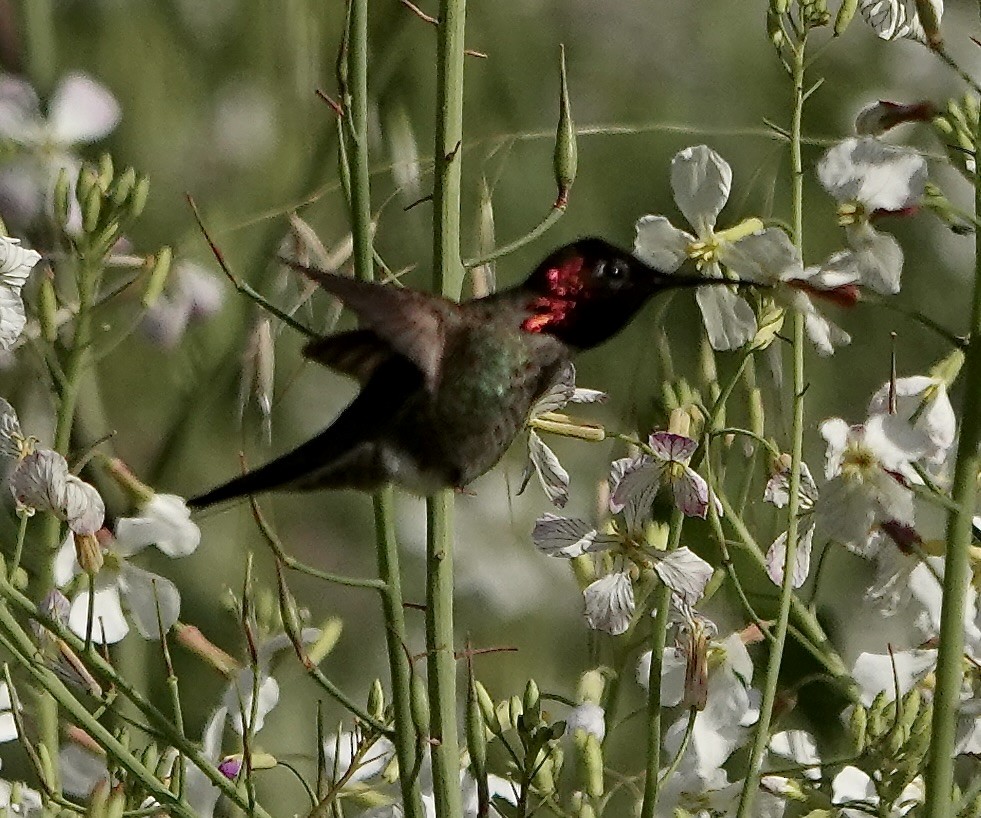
[
  {"x": 957, "y": 569},
  {"x": 442, "y": 662},
  {"x": 448, "y": 281},
  {"x": 37, "y": 24},
  {"x": 662, "y": 604},
  {"x": 398, "y": 661},
  {"x": 385, "y": 542},
  {"x": 762, "y": 736}
]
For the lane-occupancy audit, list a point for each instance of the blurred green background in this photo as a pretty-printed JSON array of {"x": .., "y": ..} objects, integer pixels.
[{"x": 218, "y": 100}]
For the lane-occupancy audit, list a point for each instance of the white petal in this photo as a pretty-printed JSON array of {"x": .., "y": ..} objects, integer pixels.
[
  {"x": 874, "y": 672},
  {"x": 799, "y": 746},
  {"x": 685, "y": 573},
  {"x": 937, "y": 420},
  {"x": 845, "y": 513},
  {"x": 776, "y": 557},
  {"x": 81, "y": 769},
  {"x": 554, "y": 478},
  {"x": 639, "y": 483},
  {"x": 20, "y": 111},
  {"x": 729, "y": 320},
  {"x": 852, "y": 784},
  {"x": 767, "y": 257},
  {"x": 668, "y": 446},
  {"x": 82, "y": 110},
  {"x": 165, "y": 521},
  {"x": 568, "y": 536},
  {"x": 142, "y": 591},
  {"x": 109, "y": 624},
  {"x": 588, "y": 396},
  {"x": 701, "y": 181},
  {"x": 894, "y": 442},
  {"x": 778, "y": 488},
  {"x": 867, "y": 170},
  {"x": 672, "y": 675},
  {"x": 559, "y": 392},
  {"x": 835, "y": 431},
  {"x": 824, "y": 334},
  {"x": 875, "y": 260},
  {"x": 65, "y": 563},
  {"x": 84, "y": 509},
  {"x": 661, "y": 244},
  {"x": 238, "y": 697},
  {"x": 16, "y": 262},
  {"x": 10, "y": 433},
  {"x": 372, "y": 765},
  {"x": 39, "y": 481},
  {"x": 13, "y": 319},
  {"x": 691, "y": 493},
  {"x": 610, "y": 603}
]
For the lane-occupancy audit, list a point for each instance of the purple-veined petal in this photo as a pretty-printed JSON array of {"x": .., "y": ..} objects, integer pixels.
[
  {"x": 639, "y": 483},
  {"x": 685, "y": 573},
  {"x": 143, "y": 591},
  {"x": 13, "y": 319},
  {"x": 661, "y": 244},
  {"x": 108, "y": 625},
  {"x": 729, "y": 321},
  {"x": 776, "y": 557},
  {"x": 580, "y": 395},
  {"x": 691, "y": 493},
  {"x": 83, "y": 508},
  {"x": 777, "y": 489},
  {"x": 554, "y": 478},
  {"x": 609, "y": 603},
  {"x": 669, "y": 446},
  {"x": 568, "y": 536},
  {"x": 896, "y": 19},
  {"x": 701, "y": 181},
  {"x": 10, "y": 433},
  {"x": 558, "y": 394},
  {"x": 39, "y": 481},
  {"x": 82, "y": 110}
]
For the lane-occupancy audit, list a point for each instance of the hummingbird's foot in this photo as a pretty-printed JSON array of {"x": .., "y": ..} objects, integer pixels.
[{"x": 466, "y": 491}]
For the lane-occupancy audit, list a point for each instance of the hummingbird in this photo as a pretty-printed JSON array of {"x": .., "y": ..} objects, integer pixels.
[{"x": 445, "y": 386}]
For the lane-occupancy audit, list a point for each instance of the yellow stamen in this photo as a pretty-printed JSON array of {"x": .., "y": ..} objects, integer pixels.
[{"x": 850, "y": 213}]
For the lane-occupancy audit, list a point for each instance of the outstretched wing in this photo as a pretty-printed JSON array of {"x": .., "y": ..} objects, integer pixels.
[
  {"x": 357, "y": 353},
  {"x": 413, "y": 323}
]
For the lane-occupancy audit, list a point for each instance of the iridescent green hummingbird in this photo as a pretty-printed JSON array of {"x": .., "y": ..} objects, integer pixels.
[{"x": 446, "y": 387}]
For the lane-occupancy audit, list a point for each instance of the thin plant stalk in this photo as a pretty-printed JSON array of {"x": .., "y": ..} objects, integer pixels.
[
  {"x": 448, "y": 281},
  {"x": 385, "y": 542},
  {"x": 957, "y": 568},
  {"x": 761, "y": 737}
]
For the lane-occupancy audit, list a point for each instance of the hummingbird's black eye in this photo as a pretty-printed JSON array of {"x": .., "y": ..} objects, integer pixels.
[{"x": 614, "y": 270}]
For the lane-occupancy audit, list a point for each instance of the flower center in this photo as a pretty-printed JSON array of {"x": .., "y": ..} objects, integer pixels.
[
  {"x": 858, "y": 462},
  {"x": 703, "y": 252},
  {"x": 850, "y": 213},
  {"x": 674, "y": 472}
]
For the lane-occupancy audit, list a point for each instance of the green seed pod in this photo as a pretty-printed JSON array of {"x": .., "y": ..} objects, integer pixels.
[
  {"x": 48, "y": 309},
  {"x": 91, "y": 210},
  {"x": 857, "y": 724},
  {"x": 757, "y": 417},
  {"x": 105, "y": 172},
  {"x": 123, "y": 187},
  {"x": 565, "y": 158},
  {"x": 47, "y": 768},
  {"x": 419, "y": 702},
  {"x": 141, "y": 192},
  {"x": 846, "y": 11},
  {"x": 158, "y": 276},
  {"x": 955, "y": 113},
  {"x": 376, "y": 701},
  {"x": 330, "y": 635},
  {"x": 62, "y": 192}
]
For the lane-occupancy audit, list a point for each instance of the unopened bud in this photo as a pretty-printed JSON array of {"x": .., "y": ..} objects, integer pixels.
[
  {"x": 530, "y": 702},
  {"x": 92, "y": 209},
  {"x": 88, "y": 552},
  {"x": 158, "y": 276},
  {"x": 138, "y": 491},
  {"x": 62, "y": 193},
  {"x": 376, "y": 701},
  {"x": 589, "y": 755},
  {"x": 48, "y": 308},
  {"x": 123, "y": 187},
  {"x": 197, "y": 643},
  {"x": 679, "y": 422},
  {"x": 105, "y": 171},
  {"x": 419, "y": 705},
  {"x": 846, "y": 11},
  {"x": 591, "y": 687},
  {"x": 486, "y": 705},
  {"x": 565, "y": 158},
  {"x": 774, "y": 29},
  {"x": 98, "y": 799},
  {"x": 141, "y": 192},
  {"x": 929, "y": 14},
  {"x": 475, "y": 731}
]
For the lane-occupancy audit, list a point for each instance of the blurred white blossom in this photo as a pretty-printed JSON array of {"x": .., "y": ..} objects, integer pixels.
[
  {"x": 16, "y": 263},
  {"x": 194, "y": 294}
]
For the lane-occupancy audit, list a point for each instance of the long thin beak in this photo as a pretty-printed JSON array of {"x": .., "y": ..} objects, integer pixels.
[{"x": 679, "y": 281}]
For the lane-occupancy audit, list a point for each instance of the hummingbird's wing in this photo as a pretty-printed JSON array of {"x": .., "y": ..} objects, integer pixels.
[
  {"x": 413, "y": 323},
  {"x": 357, "y": 353}
]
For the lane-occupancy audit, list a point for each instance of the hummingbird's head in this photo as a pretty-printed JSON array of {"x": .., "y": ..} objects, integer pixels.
[{"x": 587, "y": 291}]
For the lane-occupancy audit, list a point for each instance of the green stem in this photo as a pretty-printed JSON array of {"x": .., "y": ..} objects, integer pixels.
[
  {"x": 553, "y": 216},
  {"x": 662, "y": 604},
  {"x": 398, "y": 659},
  {"x": 448, "y": 281},
  {"x": 957, "y": 568},
  {"x": 761, "y": 737},
  {"x": 38, "y": 31}
]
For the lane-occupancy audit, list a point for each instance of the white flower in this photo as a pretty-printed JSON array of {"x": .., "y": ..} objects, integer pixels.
[
  {"x": 701, "y": 181},
  {"x": 926, "y": 398},
  {"x": 16, "y": 264},
  {"x": 80, "y": 111},
  {"x": 8, "y": 727},
  {"x": 20, "y": 800},
  {"x": 339, "y": 752},
  {"x": 541, "y": 459},
  {"x": 869, "y": 177},
  {"x": 667, "y": 465},
  {"x": 854, "y": 786},
  {"x": 896, "y": 19},
  {"x": 778, "y": 492},
  {"x": 867, "y": 468},
  {"x": 41, "y": 481},
  {"x": 200, "y": 793},
  {"x": 195, "y": 294},
  {"x": 798, "y": 746},
  {"x": 610, "y": 603},
  {"x": 117, "y": 582},
  {"x": 81, "y": 769},
  {"x": 165, "y": 521}
]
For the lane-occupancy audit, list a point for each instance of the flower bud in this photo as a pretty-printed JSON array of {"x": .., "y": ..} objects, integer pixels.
[
  {"x": 92, "y": 209},
  {"x": 84, "y": 185},
  {"x": 141, "y": 192},
  {"x": 530, "y": 702},
  {"x": 158, "y": 276},
  {"x": 123, "y": 187},
  {"x": 105, "y": 171},
  {"x": 62, "y": 192},
  {"x": 846, "y": 11},
  {"x": 486, "y": 705},
  {"x": 475, "y": 731},
  {"x": 98, "y": 799},
  {"x": 774, "y": 29},
  {"x": 565, "y": 159},
  {"x": 879, "y": 117},
  {"x": 419, "y": 705},
  {"x": 191, "y": 638},
  {"x": 589, "y": 754},
  {"x": 48, "y": 308},
  {"x": 88, "y": 552},
  {"x": 376, "y": 701},
  {"x": 591, "y": 687}
]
